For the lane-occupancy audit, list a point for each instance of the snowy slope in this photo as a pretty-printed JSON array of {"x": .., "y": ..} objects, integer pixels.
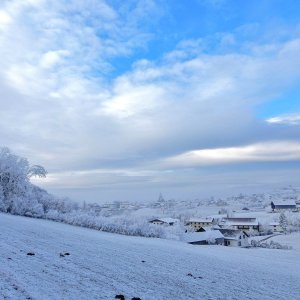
[{"x": 101, "y": 265}]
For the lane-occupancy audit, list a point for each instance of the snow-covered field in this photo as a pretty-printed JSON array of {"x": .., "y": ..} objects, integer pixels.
[
  {"x": 101, "y": 265},
  {"x": 292, "y": 240}
]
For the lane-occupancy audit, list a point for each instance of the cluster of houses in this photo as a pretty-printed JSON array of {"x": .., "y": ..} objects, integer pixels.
[{"x": 229, "y": 231}]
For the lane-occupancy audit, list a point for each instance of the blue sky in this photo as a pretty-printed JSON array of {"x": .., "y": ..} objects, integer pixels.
[{"x": 121, "y": 100}]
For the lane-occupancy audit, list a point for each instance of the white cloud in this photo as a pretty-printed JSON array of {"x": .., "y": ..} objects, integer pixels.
[
  {"x": 5, "y": 19},
  {"x": 45, "y": 42},
  {"x": 292, "y": 119},
  {"x": 261, "y": 152},
  {"x": 52, "y": 58},
  {"x": 131, "y": 101}
]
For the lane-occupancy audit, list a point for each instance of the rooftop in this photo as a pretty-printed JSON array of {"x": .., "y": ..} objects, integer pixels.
[
  {"x": 201, "y": 220},
  {"x": 284, "y": 203},
  {"x": 202, "y": 236},
  {"x": 240, "y": 221}
]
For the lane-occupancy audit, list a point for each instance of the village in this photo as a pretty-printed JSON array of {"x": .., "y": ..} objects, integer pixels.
[{"x": 233, "y": 230}]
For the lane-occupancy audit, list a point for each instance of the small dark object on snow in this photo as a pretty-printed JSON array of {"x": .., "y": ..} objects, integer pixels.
[
  {"x": 30, "y": 253},
  {"x": 191, "y": 275},
  {"x": 61, "y": 255},
  {"x": 67, "y": 253},
  {"x": 143, "y": 261},
  {"x": 120, "y": 297},
  {"x": 9, "y": 258},
  {"x": 136, "y": 298}
]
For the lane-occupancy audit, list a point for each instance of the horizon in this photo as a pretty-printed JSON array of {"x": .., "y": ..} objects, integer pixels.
[{"x": 121, "y": 102}]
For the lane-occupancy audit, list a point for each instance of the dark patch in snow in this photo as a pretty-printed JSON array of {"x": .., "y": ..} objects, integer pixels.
[
  {"x": 195, "y": 277},
  {"x": 30, "y": 253},
  {"x": 136, "y": 298},
  {"x": 120, "y": 297},
  {"x": 143, "y": 261}
]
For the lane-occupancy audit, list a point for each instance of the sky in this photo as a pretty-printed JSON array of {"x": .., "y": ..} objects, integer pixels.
[{"x": 122, "y": 100}]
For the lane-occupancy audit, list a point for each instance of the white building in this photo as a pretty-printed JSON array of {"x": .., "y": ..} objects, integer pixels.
[
  {"x": 275, "y": 227},
  {"x": 249, "y": 225},
  {"x": 235, "y": 238},
  {"x": 197, "y": 223},
  {"x": 289, "y": 205}
]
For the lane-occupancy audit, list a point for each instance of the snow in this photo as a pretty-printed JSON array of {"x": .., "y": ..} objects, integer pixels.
[
  {"x": 274, "y": 224},
  {"x": 201, "y": 220},
  {"x": 292, "y": 240},
  {"x": 202, "y": 236},
  {"x": 239, "y": 223},
  {"x": 284, "y": 203},
  {"x": 166, "y": 220},
  {"x": 101, "y": 265}
]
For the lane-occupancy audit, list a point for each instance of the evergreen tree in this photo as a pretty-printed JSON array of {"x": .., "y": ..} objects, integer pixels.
[{"x": 283, "y": 222}]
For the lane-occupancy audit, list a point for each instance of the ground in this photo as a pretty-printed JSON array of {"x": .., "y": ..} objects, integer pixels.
[{"x": 101, "y": 265}]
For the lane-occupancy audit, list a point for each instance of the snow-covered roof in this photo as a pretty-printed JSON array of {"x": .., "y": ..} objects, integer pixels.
[
  {"x": 202, "y": 236},
  {"x": 216, "y": 226},
  {"x": 165, "y": 220},
  {"x": 201, "y": 220},
  {"x": 240, "y": 222},
  {"x": 206, "y": 228},
  {"x": 231, "y": 233},
  {"x": 274, "y": 224},
  {"x": 284, "y": 203}
]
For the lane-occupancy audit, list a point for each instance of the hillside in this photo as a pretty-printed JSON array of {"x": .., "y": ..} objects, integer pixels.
[{"x": 101, "y": 265}]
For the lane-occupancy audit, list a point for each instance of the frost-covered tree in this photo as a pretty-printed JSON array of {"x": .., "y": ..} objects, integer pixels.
[
  {"x": 15, "y": 187},
  {"x": 283, "y": 222},
  {"x": 2, "y": 200}
]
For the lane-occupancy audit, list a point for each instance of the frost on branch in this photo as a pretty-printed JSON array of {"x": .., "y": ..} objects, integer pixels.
[{"x": 36, "y": 170}]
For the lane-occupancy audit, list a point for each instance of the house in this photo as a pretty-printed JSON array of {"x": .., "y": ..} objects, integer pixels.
[
  {"x": 246, "y": 224},
  {"x": 284, "y": 205},
  {"x": 275, "y": 227},
  {"x": 207, "y": 228},
  {"x": 197, "y": 223},
  {"x": 164, "y": 221},
  {"x": 210, "y": 237},
  {"x": 235, "y": 238}
]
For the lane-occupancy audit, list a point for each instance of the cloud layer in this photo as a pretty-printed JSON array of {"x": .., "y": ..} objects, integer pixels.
[{"x": 66, "y": 104}]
